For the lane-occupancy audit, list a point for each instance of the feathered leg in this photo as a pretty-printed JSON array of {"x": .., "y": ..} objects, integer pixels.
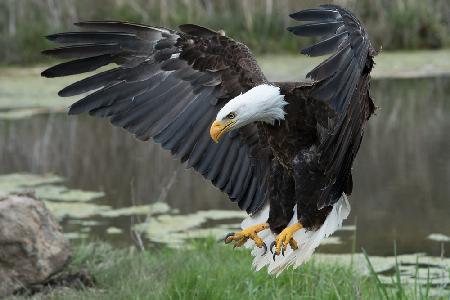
[
  {"x": 282, "y": 202},
  {"x": 282, "y": 198},
  {"x": 309, "y": 181}
]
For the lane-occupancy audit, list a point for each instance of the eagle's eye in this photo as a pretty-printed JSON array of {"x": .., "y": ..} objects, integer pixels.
[{"x": 231, "y": 115}]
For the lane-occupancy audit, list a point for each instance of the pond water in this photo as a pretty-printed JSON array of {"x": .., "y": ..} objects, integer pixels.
[{"x": 401, "y": 174}]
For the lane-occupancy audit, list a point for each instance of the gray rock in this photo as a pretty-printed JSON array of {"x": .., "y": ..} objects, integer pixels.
[{"x": 32, "y": 245}]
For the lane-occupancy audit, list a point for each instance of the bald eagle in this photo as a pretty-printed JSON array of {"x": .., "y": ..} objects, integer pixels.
[{"x": 283, "y": 151}]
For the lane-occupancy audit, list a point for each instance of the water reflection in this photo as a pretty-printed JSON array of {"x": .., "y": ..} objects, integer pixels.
[
  {"x": 402, "y": 172},
  {"x": 401, "y": 175}
]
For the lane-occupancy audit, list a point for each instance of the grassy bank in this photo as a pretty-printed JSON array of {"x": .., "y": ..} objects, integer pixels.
[
  {"x": 392, "y": 24},
  {"x": 22, "y": 89},
  {"x": 23, "y": 92},
  {"x": 212, "y": 271}
]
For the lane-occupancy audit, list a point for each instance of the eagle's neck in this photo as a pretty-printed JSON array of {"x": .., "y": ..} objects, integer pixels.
[
  {"x": 267, "y": 103},
  {"x": 263, "y": 103}
]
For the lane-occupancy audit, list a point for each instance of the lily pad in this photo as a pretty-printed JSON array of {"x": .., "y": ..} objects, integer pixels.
[
  {"x": 174, "y": 230},
  {"x": 19, "y": 182},
  {"x": 214, "y": 214},
  {"x": 64, "y": 202},
  {"x": 414, "y": 269},
  {"x": 230, "y": 225},
  {"x": 45, "y": 187},
  {"x": 75, "y": 235},
  {"x": 151, "y": 209},
  {"x": 332, "y": 240},
  {"x": 348, "y": 228},
  {"x": 85, "y": 222},
  {"x": 178, "y": 239},
  {"x": 61, "y": 193},
  {"x": 75, "y": 210},
  {"x": 114, "y": 230},
  {"x": 85, "y": 229},
  {"x": 439, "y": 237}
]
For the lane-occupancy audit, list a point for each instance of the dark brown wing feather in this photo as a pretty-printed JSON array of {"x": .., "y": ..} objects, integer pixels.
[
  {"x": 341, "y": 93},
  {"x": 169, "y": 86}
]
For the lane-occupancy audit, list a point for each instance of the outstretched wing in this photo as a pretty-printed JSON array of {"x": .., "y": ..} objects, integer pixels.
[
  {"x": 345, "y": 38},
  {"x": 341, "y": 90},
  {"x": 169, "y": 86}
]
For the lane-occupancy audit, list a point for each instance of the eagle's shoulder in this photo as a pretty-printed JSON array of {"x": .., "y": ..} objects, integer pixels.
[{"x": 213, "y": 51}]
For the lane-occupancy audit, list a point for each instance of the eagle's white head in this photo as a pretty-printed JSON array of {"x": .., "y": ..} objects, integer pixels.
[{"x": 263, "y": 103}]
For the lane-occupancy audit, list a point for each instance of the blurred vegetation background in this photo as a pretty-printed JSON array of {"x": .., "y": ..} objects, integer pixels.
[{"x": 392, "y": 24}]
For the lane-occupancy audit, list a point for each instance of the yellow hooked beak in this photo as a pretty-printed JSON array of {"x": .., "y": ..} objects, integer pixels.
[{"x": 218, "y": 128}]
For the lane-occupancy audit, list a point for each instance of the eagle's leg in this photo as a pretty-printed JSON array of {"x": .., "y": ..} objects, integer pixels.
[
  {"x": 241, "y": 237},
  {"x": 281, "y": 193},
  {"x": 281, "y": 196},
  {"x": 285, "y": 238}
]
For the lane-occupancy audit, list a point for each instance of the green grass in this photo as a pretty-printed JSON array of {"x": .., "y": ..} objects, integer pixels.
[{"x": 209, "y": 270}]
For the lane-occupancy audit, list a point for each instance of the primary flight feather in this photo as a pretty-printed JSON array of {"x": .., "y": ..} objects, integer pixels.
[{"x": 283, "y": 151}]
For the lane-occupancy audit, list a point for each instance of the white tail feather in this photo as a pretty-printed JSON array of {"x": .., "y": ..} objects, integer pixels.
[{"x": 307, "y": 241}]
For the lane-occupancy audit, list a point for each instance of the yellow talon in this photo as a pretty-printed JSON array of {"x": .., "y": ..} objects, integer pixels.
[
  {"x": 249, "y": 233},
  {"x": 285, "y": 238}
]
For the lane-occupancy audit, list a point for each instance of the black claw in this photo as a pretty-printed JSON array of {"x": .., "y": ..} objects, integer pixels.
[
  {"x": 271, "y": 247},
  {"x": 282, "y": 251},
  {"x": 265, "y": 249},
  {"x": 275, "y": 254},
  {"x": 227, "y": 236}
]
